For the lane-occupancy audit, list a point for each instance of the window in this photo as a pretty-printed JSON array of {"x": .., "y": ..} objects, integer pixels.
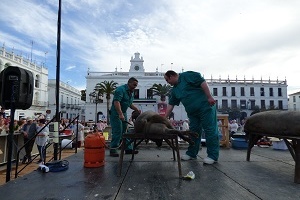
[
  {"x": 215, "y": 92},
  {"x": 224, "y": 104},
  {"x": 272, "y": 104},
  {"x": 243, "y": 104},
  {"x": 252, "y": 104},
  {"x": 149, "y": 94},
  {"x": 242, "y": 91},
  {"x": 262, "y": 92},
  {"x": 262, "y": 104},
  {"x": 279, "y": 92},
  {"x": 224, "y": 93},
  {"x": 233, "y": 91},
  {"x": 280, "y": 104},
  {"x": 271, "y": 92},
  {"x": 37, "y": 81},
  {"x": 252, "y": 91},
  {"x": 233, "y": 103},
  {"x": 136, "y": 94},
  {"x": 294, "y": 98}
]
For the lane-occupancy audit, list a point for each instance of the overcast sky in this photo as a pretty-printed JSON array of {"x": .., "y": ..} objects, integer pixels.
[{"x": 219, "y": 38}]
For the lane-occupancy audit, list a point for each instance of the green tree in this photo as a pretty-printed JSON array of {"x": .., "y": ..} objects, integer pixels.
[
  {"x": 83, "y": 95},
  {"x": 161, "y": 90},
  {"x": 107, "y": 88}
]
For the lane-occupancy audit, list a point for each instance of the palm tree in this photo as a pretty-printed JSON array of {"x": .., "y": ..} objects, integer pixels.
[
  {"x": 83, "y": 95},
  {"x": 161, "y": 90},
  {"x": 108, "y": 88}
]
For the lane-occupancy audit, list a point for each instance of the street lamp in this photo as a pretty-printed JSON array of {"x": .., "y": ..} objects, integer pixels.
[{"x": 96, "y": 98}]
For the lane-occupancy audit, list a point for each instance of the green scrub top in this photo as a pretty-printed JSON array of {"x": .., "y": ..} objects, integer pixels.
[
  {"x": 188, "y": 91},
  {"x": 124, "y": 96}
]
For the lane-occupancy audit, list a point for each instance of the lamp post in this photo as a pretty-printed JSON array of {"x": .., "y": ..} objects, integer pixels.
[{"x": 95, "y": 97}]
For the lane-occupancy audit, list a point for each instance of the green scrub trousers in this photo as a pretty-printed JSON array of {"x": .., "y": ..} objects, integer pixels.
[
  {"x": 205, "y": 120},
  {"x": 119, "y": 127}
]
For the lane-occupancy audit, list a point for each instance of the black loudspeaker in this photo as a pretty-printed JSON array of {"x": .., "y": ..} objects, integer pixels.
[{"x": 16, "y": 87}]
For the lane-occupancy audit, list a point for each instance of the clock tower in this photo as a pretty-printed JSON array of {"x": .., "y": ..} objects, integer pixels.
[{"x": 137, "y": 65}]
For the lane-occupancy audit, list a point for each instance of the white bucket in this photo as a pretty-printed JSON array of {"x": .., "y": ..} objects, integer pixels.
[{"x": 65, "y": 144}]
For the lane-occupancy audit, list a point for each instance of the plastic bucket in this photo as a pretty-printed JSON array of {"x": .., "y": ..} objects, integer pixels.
[{"x": 67, "y": 144}]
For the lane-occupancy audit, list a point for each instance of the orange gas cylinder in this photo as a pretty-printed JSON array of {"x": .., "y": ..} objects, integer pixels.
[{"x": 94, "y": 150}]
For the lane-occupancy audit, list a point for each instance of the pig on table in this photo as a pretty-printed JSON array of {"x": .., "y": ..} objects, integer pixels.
[
  {"x": 151, "y": 123},
  {"x": 274, "y": 122}
]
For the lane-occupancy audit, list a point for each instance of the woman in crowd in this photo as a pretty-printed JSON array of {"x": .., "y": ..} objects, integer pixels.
[{"x": 42, "y": 139}]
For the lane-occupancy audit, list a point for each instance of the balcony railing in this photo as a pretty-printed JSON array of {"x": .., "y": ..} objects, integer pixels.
[{"x": 39, "y": 103}]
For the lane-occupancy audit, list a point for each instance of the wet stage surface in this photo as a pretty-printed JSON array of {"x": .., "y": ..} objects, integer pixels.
[{"x": 154, "y": 175}]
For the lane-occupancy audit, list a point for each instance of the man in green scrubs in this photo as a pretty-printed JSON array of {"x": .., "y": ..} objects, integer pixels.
[
  {"x": 191, "y": 89},
  {"x": 123, "y": 98}
]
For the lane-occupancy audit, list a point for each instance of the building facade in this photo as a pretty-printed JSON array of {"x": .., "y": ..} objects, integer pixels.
[
  {"x": 243, "y": 96},
  {"x": 70, "y": 103},
  {"x": 40, "y": 76},
  {"x": 294, "y": 101}
]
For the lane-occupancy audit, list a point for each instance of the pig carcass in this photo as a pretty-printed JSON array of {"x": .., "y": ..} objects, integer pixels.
[
  {"x": 274, "y": 122},
  {"x": 151, "y": 123}
]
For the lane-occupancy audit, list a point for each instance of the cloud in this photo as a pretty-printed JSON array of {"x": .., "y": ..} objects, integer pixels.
[{"x": 219, "y": 38}]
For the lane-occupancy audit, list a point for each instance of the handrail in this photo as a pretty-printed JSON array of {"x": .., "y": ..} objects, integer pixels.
[
  {"x": 76, "y": 137},
  {"x": 22, "y": 147}
]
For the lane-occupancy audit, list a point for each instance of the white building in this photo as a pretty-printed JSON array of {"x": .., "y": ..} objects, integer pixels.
[
  {"x": 243, "y": 95},
  {"x": 70, "y": 103},
  {"x": 40, "y": 76},
  {"x": 294, "y": 101}
]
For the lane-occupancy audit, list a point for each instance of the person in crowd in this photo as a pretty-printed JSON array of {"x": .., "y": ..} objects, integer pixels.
[
  {"x": 123, "y": 99},
  {"x": 29, "y": 132},
  {"x": 2, "y": 112},
  {"x": 21, "y": 123},
  {"x": 191, "y": 89},
  {"x": 233, "y": 127},
  {"x": 41, "y": 139},
  {"x": 16, "y": 125},
  {"x": 4, "y": 128},
  {"x": 79, "y": 134},
  {"x": 101, "y": 125},
  {"x": 185, "y": 125}
]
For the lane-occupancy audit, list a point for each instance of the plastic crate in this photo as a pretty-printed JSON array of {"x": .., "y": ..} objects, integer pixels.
[{"x": 239, "y": 143}]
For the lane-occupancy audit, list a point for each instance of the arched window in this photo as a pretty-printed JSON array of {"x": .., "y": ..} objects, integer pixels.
[
  {"x": 36, "y": 98},
  {"x": 37, "y": 81}
]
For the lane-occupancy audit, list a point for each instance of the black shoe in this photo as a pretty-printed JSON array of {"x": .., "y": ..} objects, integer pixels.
[
  {"x": 24, "y": 160},
  {"x": 130, "y": 151},
  {"x": 114, "y": 154}
]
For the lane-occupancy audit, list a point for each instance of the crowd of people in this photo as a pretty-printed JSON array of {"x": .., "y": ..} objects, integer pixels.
[{"x": 35, "y": 132}]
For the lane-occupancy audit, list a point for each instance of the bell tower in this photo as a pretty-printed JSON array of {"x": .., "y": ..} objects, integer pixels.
[{"x": 136, "y": 65}]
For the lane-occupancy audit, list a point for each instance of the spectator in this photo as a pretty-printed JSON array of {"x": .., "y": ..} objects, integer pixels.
[
  {"x": 2, "y": 112},
  {"x": 29, "y": 131},
  {"x": 233, "y": 127},
  {"x": 41, "y": 139},
  {"x": 4, "y": 128}
]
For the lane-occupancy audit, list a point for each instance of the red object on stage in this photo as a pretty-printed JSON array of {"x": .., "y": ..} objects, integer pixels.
[{"x": 94, "y": 150}]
